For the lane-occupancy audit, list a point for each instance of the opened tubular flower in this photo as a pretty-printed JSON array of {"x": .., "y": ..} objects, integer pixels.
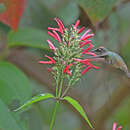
[{"x": 69, "y": 57}]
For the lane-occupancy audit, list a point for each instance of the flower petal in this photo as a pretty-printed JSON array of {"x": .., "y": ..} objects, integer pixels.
[
  {"x": 66, "y": 70},
  {"x": 51, "y": 45},
  {"x": 96, "y": 67},
  {"x": 81, "y": 30},
  {"x": 90, "y": 47},
  {"x": 52, "y": 35},
  {"x": 57, "y": 36},
  {"x": 88, "y": 68},
  {"x": 60, "y": 24},
  {"x": 53, "y": 61},
  {"x": 54, "y": 29},
  {"x": 49, "y": 69},
  {"x": 45, "y": 62},
  {"x": 88, "y": 36},
  {"x": 76, "y": 24},
  {"x": 119, "y": 128},
  {"x": 114, "y": 126},
  {"x": 90, "y": 53},
  {"x": 84, "y": 35},
  {"x": 84, "y": 43}
]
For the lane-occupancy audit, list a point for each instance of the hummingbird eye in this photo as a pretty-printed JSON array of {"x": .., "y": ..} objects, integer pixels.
[{"x": 99, "y": 49}]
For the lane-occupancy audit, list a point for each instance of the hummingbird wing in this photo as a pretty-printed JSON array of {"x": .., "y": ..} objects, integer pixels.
[{"x": 128, "y": 74}]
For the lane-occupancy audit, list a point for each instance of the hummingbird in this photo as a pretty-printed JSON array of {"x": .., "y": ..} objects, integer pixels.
[{"x": 111, "y": 58}]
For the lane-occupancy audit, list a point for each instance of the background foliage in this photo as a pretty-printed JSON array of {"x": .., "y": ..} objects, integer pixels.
[{"x": 104, "y": 94}]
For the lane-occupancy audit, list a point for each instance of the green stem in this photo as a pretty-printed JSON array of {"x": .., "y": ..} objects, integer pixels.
[
  {"x": 3, "y": 54},
  {"x": 57, "y": 85},
  {"x": 54, "y": 115},
  {"x": 66, "y": 90},
  {"x": 61, "y": 82},
  {"x": 61, "y": 86}
]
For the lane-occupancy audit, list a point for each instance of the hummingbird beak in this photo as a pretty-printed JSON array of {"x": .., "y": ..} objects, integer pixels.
[
  {"x": 93, "y": 57},
  {"x": 96, "y": 58}
]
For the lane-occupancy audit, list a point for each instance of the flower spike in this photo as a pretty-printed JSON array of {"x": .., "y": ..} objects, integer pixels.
[
  {"x": 70, "y": 52},
  {"x": 68, "y": 62}
]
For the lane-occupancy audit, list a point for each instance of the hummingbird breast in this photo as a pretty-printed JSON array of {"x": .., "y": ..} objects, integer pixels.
[{"x": 116, "y": 61}]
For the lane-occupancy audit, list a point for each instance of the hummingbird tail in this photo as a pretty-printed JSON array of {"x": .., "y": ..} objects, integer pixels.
[{"x": 128, "y": 75}]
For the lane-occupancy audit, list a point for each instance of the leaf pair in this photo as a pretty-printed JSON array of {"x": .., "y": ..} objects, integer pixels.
[{"x": 70, "y": 100}]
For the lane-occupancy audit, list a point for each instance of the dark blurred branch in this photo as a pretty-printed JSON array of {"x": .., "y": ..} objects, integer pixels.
[
  {"x": 118, "y": 96},
  {"x": 85, "y": 20},
  {"x": 102, "y": 24}
]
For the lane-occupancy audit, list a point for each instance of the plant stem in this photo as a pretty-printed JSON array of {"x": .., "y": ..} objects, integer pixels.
[
  {"x": 57, "y": 85},
  {"x": 61, "y": 85},
  {"x": 61, "y": 82},
  {"x": 66, "y": 90},
  {"x": 3, "y": 54},
  {"x": 54, "y": 115}
]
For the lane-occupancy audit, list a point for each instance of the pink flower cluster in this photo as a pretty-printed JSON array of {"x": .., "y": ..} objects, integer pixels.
[
  {"x": 84, "y": 40},
  {"x": 115, "y": 127}
]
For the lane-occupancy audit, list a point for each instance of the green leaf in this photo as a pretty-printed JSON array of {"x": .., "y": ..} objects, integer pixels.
[
  {"x": 13, "y": 83},
  {"x": 7, "y": 122},
  {"x": 28, "y": 37},
  {"x": 14, "y": 89},
  {"x": 36, "y": 99},
  {"x": 78, "y": 107},
  {"x": 97, "y": 9}
]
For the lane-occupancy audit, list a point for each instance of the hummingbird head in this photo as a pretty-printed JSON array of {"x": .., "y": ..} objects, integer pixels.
[{"x": 100, "y": 50}]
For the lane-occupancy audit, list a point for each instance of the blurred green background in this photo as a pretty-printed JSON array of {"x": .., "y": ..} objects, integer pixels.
[{"x": 103, "y": 93}]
